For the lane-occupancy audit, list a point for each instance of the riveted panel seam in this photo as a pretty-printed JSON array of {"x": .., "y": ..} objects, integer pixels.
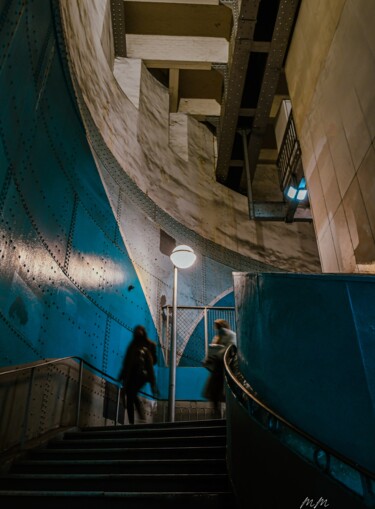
[
  {"x": 107, "y": 336},
  {"x": 9, "y": 36},
  {"x": 45, "y": 244},
  {"x": 17, "y": 333},
  {"x": 70, "y": 235},
  {"x": 5, "y": 187}
]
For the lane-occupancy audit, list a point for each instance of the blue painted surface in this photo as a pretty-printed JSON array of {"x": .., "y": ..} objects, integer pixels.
[
  {"x": 65, "y": 271},
  {"x": 307, "y": 347},
  {"x": 189, "y": 383}
]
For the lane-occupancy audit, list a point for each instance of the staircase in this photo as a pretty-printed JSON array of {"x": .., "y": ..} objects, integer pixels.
[{"x": 181, "y": 464}]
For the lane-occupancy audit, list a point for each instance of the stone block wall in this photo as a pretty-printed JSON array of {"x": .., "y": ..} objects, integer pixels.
[{"x": 331, "y": 76}]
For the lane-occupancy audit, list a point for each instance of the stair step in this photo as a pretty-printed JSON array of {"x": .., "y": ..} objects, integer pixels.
[
  {"x": 182, "y": 441},
  {"x": 155, "y": 425},
  {"x": 129, "y": 432},
  {"x": 201, "y": 465},
  {"x": 216, "y": 451},
  {"x": 119, "y": 500},
  {"x": 135, "y": 466},
  {"x": 116, "y": 482}
]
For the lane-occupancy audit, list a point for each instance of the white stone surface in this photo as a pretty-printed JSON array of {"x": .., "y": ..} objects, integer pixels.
[
  {"x": 177, "y": 48},
  {"x": 366, "y": 181},
  {"x": 281, "y": 121},
  {"x": 333, "y": 100},
  {"x": 209, "y": 107},
  {"x": 178, "y": 134},
  {"x": 127, "y": 72}
]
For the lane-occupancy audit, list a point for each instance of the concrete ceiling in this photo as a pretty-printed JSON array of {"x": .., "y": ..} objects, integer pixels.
[{"x": 223, "y": 63}]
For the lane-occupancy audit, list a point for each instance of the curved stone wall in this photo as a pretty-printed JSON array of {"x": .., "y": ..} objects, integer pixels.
[
  {"x": 142, "y": 140},
  {"x": 334, "y": 106}
]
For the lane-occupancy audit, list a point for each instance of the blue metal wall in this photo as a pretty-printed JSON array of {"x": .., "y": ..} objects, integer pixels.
[
  {"x": 307, "y": 347},
  {"x": 65, "y": 273}
]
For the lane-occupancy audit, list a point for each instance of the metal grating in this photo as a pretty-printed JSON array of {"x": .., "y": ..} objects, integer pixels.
[
  {"x": 118, "y": 24},
  {"x": 195, "y": 330}
]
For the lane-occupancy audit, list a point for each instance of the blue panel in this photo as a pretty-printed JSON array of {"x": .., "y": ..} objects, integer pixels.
[
  {"x": 65, "y": 273},
  {"x": 17, "y": 95},
  {"x": 39, "y": 30},
  {"x": 306, "y": 345},
  {"x": 189, "y": 383},
  {"x": 361, "y": 297},
  {"x": 118, "y": 342},
  {"x": 195, "y": 349}
]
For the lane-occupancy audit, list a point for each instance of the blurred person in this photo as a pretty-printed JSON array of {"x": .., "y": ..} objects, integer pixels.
[
  {"x": 137, "y": 370},
  {"x": 214, "y": 362}
]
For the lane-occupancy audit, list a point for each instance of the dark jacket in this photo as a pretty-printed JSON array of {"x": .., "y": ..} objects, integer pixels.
[{"x": 138, "y": 365}]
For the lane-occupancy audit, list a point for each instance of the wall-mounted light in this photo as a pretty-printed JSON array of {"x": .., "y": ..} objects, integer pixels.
[
  {"x": 297, "y": 192},
  {"x": 301, "y": 195},
  {"x": 291, "y": 193}
]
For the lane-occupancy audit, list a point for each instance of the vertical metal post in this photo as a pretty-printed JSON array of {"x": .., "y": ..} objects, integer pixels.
[
  {"x": 248, "y": 174},
  {"x": 117, "y": 404},
  {"x": 79, "y": 396},
  {"x": 27, "y": 407},
  {"x": 205, "y": 331},
  {"x": 163, "y": 319},
  {"x": 166, "y": 342},
  {"x": 173, "y": 347}
]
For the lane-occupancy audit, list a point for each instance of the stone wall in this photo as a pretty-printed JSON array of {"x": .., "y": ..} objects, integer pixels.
[
  {"x": 144, "y": 142},
  {"x": 331, "y": 75}
]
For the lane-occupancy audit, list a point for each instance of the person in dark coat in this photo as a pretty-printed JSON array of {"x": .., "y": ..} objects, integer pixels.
[
  {"x": 214, "y": 388},
  {"x": 137, "y": 370}
]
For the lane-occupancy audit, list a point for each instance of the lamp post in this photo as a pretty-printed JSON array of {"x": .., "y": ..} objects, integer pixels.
[{"x": 182, "y": 257}]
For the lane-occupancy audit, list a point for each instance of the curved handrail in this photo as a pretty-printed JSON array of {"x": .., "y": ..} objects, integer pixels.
[
  {"x": 291, "y": 426},
  {"x": 55, "y": 361}
]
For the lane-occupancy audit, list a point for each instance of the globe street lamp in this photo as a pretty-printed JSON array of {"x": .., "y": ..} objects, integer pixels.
[{"x": 182, "y": 257}]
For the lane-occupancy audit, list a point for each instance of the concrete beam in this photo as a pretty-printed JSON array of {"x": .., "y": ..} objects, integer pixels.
[
  {"x": 177, "y": 48},
  {"x": 177, "y": 64},
  {"x": 201, "y": 107},
  {"x": 194, "y": 2}
]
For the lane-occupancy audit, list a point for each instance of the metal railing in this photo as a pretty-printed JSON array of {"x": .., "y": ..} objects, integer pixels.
[
  {"x": 195, "y": 324},
  {"x": 289, "y": 161},
  {"x": 32, "y": 369},
  {"x": 322, "y": 454}
]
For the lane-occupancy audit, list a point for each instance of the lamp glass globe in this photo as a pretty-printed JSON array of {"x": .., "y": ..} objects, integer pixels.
[{"x": 183, "y": 257}]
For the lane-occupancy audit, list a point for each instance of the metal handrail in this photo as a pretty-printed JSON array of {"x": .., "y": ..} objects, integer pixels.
[
  {"x": 215, "y": 308},
  {"x": 78, "y": 409},
  {"x": 288, "y": 424},
  {"x": 54, "y": 361},
  {"x": 290, "y": 153}
]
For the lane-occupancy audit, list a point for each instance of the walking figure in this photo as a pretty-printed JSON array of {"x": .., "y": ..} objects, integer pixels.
[{"x": 137, "y": 370}]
